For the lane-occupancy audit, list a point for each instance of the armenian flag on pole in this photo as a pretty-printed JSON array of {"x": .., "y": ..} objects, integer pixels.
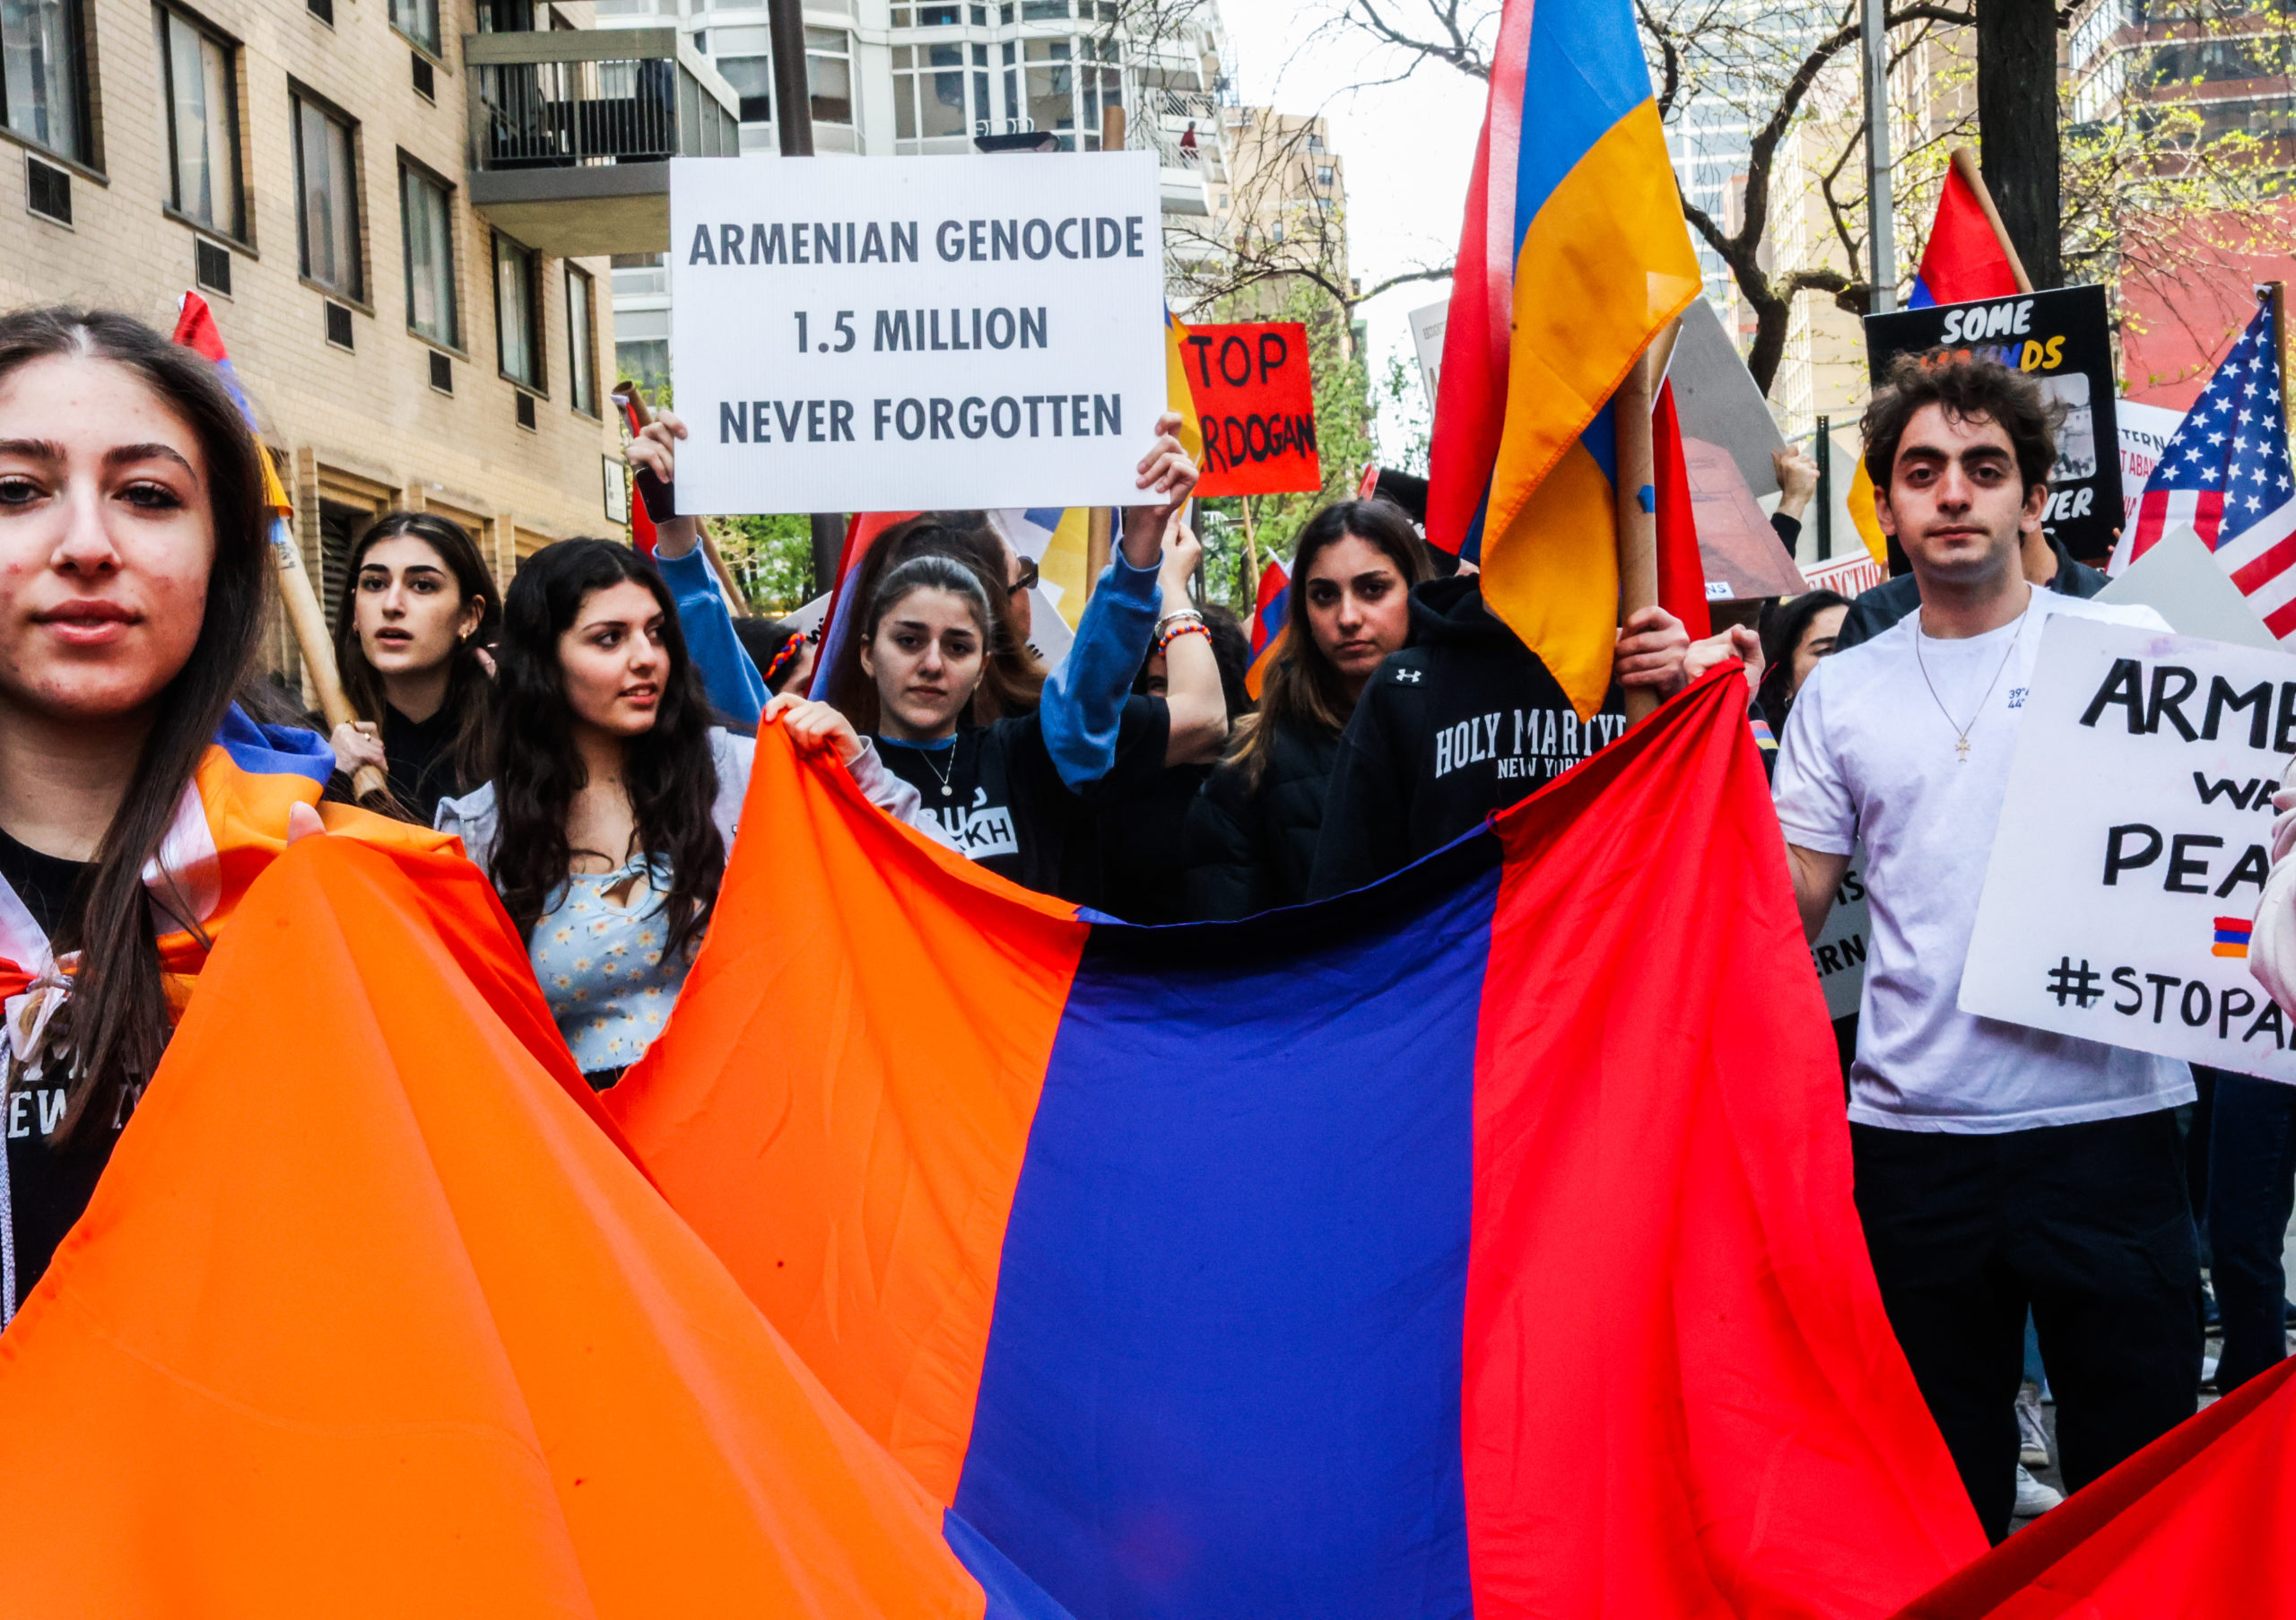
[
  {"x": 1964, "y": 259},
  {"x": 1573, "y": 257},
  {"x": 1268, "y": 615},
  {"x": 196, "y": 330}
]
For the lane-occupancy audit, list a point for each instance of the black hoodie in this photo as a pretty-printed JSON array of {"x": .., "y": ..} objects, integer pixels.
[{"x": 1464, "y": 721}]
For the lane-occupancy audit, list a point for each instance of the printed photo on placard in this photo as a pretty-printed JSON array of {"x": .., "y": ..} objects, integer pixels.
[{"x": 2063, "y": 340}]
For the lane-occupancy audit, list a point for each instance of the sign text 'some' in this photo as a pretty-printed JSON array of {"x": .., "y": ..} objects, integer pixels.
[
  {"x": 915, "y": 331},
  {"x": 2133, "y": 845}
]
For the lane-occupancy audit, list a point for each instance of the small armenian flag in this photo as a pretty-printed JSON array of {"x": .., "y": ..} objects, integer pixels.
[{"x": 2232, "y": 936}]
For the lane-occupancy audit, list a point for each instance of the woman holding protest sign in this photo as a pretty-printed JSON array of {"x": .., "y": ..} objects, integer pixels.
[
  {"x": 1251, "y": 836},
  {"x": 410, "y": 640},
  {"x": 134, "y": 572},
  {"x": 612, "y": 802},
  {"x": 1006, "y": 773}
]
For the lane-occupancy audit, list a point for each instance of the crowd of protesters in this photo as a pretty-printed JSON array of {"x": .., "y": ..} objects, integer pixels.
[{"x": 588, "y": 736}]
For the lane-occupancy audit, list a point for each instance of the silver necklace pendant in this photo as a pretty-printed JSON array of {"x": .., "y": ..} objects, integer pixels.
[{"x": 947, "y": 791}]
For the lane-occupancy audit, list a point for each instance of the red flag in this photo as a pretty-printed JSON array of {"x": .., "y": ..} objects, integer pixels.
[
  {"x": 1963, "y": 260},
  {"x": 1682, "y": 575},
  {"x": 2196, "y": 1523}
]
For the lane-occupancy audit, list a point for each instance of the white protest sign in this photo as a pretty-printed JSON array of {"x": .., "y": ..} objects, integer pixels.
[
  {"x": 2132, "y": 848},
  {"x": 1839, "y": 949},
  {"x": 2181, "y": 579},
  {"x": 915, "y": 331},
  {"x": 2145, "y": 431},
  {"x": 1427, "y": 328}
]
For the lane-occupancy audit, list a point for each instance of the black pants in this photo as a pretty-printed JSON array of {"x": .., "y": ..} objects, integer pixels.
[
  {"x": 2251, "y": 1190},
  {"x": 2088, "y": 1226}
]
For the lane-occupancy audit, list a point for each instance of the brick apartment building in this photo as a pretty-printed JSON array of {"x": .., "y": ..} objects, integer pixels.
[{"x": 319, "y": 169}]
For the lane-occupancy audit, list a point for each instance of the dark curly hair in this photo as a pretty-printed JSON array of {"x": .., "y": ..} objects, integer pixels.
[
  {"x": 670, "y": 775},
  {"x": 1969, "y": 388},
  {"x": 118, "y": 1007}
]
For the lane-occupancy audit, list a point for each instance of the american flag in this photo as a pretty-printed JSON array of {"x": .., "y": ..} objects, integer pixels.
[{"x": 2225, "y": 475}]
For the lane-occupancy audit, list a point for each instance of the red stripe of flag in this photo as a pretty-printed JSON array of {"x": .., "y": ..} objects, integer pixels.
[{"x": 2261, "y": 570}]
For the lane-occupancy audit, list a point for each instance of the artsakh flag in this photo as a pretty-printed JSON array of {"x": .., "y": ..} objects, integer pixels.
[
  {"x": 2196, "y": 1524},
  {"x": 1269, "y": 616},
  {"x": 370, "y": 1315},
  {"x": 1964, "y": 259},
  {"x": 1523, "y": 1278},
  {"x": 229, "y": 827}
]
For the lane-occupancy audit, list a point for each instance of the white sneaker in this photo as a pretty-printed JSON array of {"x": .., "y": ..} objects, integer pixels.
[
  {"x": 2033, "y": 1497},
  {"x": 2032, "y": 1438}
]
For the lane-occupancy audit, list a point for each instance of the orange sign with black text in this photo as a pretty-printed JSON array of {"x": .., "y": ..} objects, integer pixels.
[{"x": 1258, "y": 404}]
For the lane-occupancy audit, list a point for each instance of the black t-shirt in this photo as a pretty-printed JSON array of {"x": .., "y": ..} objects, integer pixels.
[
  {"x": 48, "y": 1186},
  {"x": 419, "y": 761},
  {"x": 995, "y": 792}
]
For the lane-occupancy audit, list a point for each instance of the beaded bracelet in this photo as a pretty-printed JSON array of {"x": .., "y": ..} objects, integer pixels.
[{"x": 1174, "y": 634}]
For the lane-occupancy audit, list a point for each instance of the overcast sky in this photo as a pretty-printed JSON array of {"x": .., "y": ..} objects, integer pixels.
[{"x": 1408, "y": 148}]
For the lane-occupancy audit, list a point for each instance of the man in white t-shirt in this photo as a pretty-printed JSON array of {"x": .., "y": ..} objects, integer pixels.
[{"x": 1999, "y": 1168}]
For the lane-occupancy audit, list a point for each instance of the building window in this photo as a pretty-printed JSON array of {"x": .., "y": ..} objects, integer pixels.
[
  {"x": 751, "y": 78},
  {"x": 203, "y": 114},
  {"x": 326, "y": 183},
  {"x": 828, "y": 74},
  {"x": 581, "y": 342},
  {"x": 426, "y": 220},
  {"x": 43, "y": 73},
  {"x": 418, "y": 20},
  {"x": 641, "y": 346},
  {"x": 1323, "y": 175},
  {"x": 518, "y": 311},
  {"x": 929, "y": 90},
  {"x": 1052, "y": 89}
]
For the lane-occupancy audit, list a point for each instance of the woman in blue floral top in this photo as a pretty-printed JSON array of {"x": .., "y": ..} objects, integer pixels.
[{"x": 613, "y": 801}]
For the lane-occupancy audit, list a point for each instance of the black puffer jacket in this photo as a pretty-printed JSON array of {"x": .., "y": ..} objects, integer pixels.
[{"x": 1250, "y": 849}]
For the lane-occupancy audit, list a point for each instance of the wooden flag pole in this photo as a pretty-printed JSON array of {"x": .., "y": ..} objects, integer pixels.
[
  {"x": 309, "y": 622},
  {"x": 1251, "y": 546},
  {"x": 2277, "y": 291},
  {"x": 1637, "y": 518},
  {"x": 1965, "y": 164},
  {"x": 1099, "y": 529}
]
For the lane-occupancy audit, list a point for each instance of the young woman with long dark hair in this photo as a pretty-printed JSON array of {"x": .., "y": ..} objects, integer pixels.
[
  {"x": 1251, "y": 838},
  {"x": 611, "y": 801},
  {"x": 1795, "y": 636},
  {"x": 995, "y": 793},
  {"x": 1005, "y": 767},
  {"x": 134, "y": 572},
  {"x": 410, "y": 635}
]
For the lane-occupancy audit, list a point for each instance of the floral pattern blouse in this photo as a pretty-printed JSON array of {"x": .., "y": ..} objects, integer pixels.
[{"x": 598, "y": 954}]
